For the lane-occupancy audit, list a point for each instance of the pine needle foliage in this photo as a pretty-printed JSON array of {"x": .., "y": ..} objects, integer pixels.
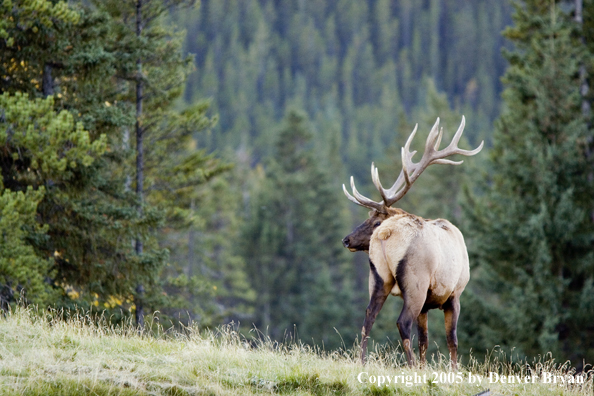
[
  {"x": 291, "y": 244},
  {"x": 532, "y": 231},
  {"x": 71, "y": 154}
]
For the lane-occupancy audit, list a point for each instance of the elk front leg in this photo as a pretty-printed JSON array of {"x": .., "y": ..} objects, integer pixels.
[
  {"x": 423, "y": 336},
  {"x": 452, "y": 311},
  {"x": 379, "y": 289}
]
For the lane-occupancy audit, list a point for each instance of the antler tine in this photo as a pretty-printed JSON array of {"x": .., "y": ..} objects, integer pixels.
[
  {"x": 432, "y": 139},
  {"x": 410, "y": 138},
  {"x": 405, "y": 176},
  {"x": 458, "y": 134},
  {"x": 453, "y": 146},
  {"x": 401, "y": 179},
  {"x": 406, "y": 160},
  {"x": 477, "y": 150},
  {"x": 362, "y": 200},
  {"x": 349, "y": 196},
  {"x": 376, "y": 181},
  {"x": 446, "y": 162},
  {"x": 436, "y": 147}
]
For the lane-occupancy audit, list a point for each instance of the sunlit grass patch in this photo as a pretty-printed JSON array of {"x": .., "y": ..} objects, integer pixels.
[{"x": 43, "y": 354}]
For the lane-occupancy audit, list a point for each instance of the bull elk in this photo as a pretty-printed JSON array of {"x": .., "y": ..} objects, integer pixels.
[{"x": 423, "y": 261}]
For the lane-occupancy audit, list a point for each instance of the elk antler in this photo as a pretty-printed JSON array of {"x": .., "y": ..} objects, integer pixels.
[{"x": 411, "y": 171}]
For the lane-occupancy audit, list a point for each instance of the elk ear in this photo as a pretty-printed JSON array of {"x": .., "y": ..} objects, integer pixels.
[{"x": 384, "y": 233}]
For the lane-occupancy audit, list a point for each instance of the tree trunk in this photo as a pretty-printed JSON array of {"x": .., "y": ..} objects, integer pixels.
[
  {"x": 138, "y": 300},
  {"x": 191, "y": 239},
  {"x": 579, "y": 9},
  {"x": 47, "y": 83},
  {"x": 583, "y": 78}
]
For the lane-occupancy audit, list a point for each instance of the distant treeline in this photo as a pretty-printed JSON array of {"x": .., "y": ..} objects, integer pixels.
[
  {"x": 358, "y": 68},
  {"x": 252, "y": 117}
]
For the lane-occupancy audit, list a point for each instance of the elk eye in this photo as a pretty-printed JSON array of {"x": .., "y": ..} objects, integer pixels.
[{"x": 377, "y": 223}]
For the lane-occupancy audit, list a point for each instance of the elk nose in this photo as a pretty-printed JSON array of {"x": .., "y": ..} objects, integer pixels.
[{"x": 345, "y": 242}]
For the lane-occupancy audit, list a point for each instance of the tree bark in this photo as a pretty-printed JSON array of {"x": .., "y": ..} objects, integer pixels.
[
  {"x": 584, "y": 88},
  {"x": 583, "y": 78},
  {"x": 47, "y": 81},
  {"x": 139, "y": 298},
  {"x": 191, "y": 239}
]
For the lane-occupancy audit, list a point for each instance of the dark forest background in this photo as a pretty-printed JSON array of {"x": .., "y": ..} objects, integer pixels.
[{"x": 188, "y": 158}]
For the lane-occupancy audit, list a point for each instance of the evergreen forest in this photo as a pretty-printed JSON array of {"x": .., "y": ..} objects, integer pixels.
[{"x": 179, "y": 162}]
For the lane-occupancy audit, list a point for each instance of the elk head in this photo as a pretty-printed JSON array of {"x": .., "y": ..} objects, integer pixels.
[{"x": 358, "y": 240}]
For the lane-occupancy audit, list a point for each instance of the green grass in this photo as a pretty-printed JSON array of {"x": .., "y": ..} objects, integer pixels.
[{"x": 42, "y": 355}]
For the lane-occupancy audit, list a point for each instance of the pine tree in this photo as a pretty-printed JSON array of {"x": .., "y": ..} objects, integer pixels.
[
  {"x": 168, "y": 169},
  {"x": 33, "y": 44},
  {"x": 531, "y": 231},
  {"x": 21, "y": 270},
  {"x": 43, "y": 150},
  {"x": 292, "y": 244},
  {"x": 81, "y": 58},
  {"x": 84, "y": 209},
  {"x": 207, "y": 278}
]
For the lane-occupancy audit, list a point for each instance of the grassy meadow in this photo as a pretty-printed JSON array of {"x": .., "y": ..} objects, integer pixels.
[{"x": 43, "y": 355}]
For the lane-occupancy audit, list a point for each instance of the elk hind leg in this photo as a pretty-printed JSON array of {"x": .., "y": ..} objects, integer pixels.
[
  {"x": 410, "y": 311},
  {"x": 379, "y": 289},
  {"x": 451, "y": 310},
  {"x": 423, "y": 330}
]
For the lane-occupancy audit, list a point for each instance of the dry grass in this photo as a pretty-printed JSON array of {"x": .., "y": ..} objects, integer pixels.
[{"x": 43, "y": 355}]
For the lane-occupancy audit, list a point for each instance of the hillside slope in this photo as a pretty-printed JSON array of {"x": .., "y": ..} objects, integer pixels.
[{"x": 53, "y": 357}]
